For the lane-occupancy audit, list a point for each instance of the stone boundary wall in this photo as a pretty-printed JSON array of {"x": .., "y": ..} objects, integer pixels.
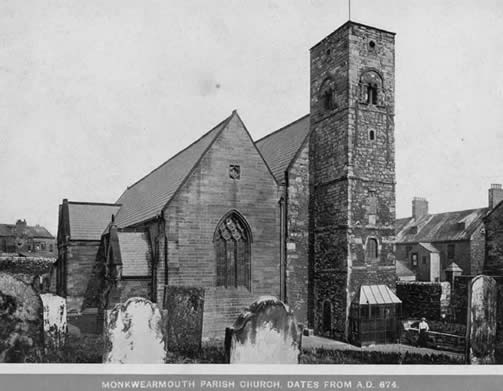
[{"x": 420, "y": 299}]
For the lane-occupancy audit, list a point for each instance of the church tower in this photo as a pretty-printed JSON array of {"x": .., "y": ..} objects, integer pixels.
[{"x": 352, "y": 171}]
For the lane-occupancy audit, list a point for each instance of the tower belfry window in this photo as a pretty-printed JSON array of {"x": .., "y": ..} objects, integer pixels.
[
  {"x": 371, "y": 88},
  {"x": 372, "y": 94}
]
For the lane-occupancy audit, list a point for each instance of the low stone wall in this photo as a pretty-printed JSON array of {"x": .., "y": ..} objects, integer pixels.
[{"x": 420, "y": 299}]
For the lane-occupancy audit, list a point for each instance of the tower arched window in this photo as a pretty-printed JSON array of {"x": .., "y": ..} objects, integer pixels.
[
  {"x": 327, "y": 95},
  {"x": 371, "y": 91},
  {"x": 232, "y": 241},
  {"x": 372, "y": 250}
]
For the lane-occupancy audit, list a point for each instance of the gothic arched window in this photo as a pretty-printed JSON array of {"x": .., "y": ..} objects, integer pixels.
[
  {"x": 371, "y": 91},
  {"x": 232, "y": 242},
  {"x": 327, "y": 94},
  {"x": 372, "y": 250}
]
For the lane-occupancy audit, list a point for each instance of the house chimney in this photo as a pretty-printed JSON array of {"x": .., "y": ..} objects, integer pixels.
[
  {"x": 419, "y": 207},
  {"x": 495, "y": 195}
]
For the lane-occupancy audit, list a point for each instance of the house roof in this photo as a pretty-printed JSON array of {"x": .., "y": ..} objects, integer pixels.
[
  {"x": 402, "y": 269},
  {"x": 34, "y": 231},
  {"x": 146, "y": 198},
  {"x": 88, "y": 220},
  {"x": 429, "y": 247},
  {"x": 441, "y": 227},
  {"x": 134, "y": 253},
  {"x": 377, "y": 294},
  {"x": 280, "y": 147}
]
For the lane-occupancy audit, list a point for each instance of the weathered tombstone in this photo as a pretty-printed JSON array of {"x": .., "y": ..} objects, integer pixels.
[
  {"x": 21, "y": 321},
  {"x": 55, "y": 326},
  {"x": 265, "y": 333},
  {"x": 185, "y": 308},
  {"x": 133, "y": 333},
  {"x": 481, "y": 330}
]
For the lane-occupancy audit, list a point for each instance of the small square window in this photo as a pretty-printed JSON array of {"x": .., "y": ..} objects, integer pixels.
[{"x": 234, "y": 171}]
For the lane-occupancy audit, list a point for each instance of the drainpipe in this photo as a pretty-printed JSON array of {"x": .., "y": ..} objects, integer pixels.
[{"x": 284, "y": 236}]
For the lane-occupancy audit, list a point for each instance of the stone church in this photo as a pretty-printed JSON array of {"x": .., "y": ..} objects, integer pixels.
[{"x": 305, "y": 214}]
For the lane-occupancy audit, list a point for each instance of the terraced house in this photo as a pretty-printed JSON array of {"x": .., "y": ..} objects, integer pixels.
[{"x": 306, "y": 213}]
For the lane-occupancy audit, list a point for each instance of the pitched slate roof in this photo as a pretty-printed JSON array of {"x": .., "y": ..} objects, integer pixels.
[
  {"x": 88, "y": 220},
  {"x": 280, "y": 147},
  {"x": 429, "y": 247},
  {"x": 35, "y": 231},
  {"x": 441, "y": 227},
  {"x": 147, "y": 197},
  {"x": 134, "y": 253},
  {"x": 377, "y": 294}
]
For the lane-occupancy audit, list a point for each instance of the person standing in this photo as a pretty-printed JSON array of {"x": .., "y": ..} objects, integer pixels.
[{"x": 423, "y": 330}]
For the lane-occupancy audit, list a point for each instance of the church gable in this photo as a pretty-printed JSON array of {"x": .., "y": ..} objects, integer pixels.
[{"x": 229, "y": 202}]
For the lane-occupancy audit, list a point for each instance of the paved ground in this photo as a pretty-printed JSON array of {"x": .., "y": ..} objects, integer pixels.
[{"x": 320, "y": 342}]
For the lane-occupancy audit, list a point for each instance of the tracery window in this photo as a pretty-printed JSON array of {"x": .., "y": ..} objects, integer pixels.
[{"x": 232, "y": 242}]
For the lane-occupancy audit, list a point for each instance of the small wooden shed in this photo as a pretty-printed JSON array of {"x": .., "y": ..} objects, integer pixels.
[{"x": 374, "y": 317}]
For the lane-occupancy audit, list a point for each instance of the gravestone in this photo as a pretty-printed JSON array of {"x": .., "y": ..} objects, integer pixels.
[
  {"x": 264, "y": 333},
  {"x": 185, "y": 307},
  {"x": 21, "y": 321},
  {"x": 55, "y": 326},
  {"x": 133, "y": 333},
  {"x": 482, "y": 321}
]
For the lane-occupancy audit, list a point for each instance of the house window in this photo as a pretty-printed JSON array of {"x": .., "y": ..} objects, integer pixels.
[
  {"x": 51, "y": 248},
  {"x": 232, "y": 242},
  {"x": 413, "y": 259},
  {"x": 424, "y": 260},
  {"x": 42, "y": 245},
  {"x": 372, "y": 250},
  {"x": 450, "y": 251}
]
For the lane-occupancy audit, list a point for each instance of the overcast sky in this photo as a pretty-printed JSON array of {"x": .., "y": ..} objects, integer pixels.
[{"x": 95, "y": 94}]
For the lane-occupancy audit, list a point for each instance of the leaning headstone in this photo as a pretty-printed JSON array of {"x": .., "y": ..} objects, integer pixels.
[
  {"x": 133, "y": 333},
  {"x": 482, "y": 320},
  {"x": 265, "y": 333},
  {"x": 185, "y": 306},
  {"x": 21, "y": 321},
  {"x": 55, "y": 326}
]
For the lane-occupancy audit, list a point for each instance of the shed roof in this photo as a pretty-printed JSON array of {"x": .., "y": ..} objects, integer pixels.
[
  {"x": 402, "y": 270},
  {"x": 377, "y": 294},
  {"x": 147, "y": 197},
  {"x": 134, "y": 253},
  {"x": 87, "y": 220},
  {"x": 441, "y": 227},
  {"x": 280, "y": 147}
]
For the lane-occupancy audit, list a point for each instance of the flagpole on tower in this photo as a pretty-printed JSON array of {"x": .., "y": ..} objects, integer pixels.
[{"x": 349, "y": 9}]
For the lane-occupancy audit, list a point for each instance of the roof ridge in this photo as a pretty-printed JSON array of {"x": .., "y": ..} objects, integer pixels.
[
  {"x": 221, "y": 123},
  {"x": 443, "y": 213},
  {"x": 282, "y": 128},
  {"x": 93, "y": 203}
]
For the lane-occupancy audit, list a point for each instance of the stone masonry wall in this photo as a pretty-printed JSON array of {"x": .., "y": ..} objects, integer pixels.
[
  {"x": 81, "y": 259},
  {"x": 194, "y": 213},
  {"x": 298, "y": 241},
  {"x": 494, "y": 242},
  {"x": 420, "y": 299},
  {"x": 348, "y": 168}
]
